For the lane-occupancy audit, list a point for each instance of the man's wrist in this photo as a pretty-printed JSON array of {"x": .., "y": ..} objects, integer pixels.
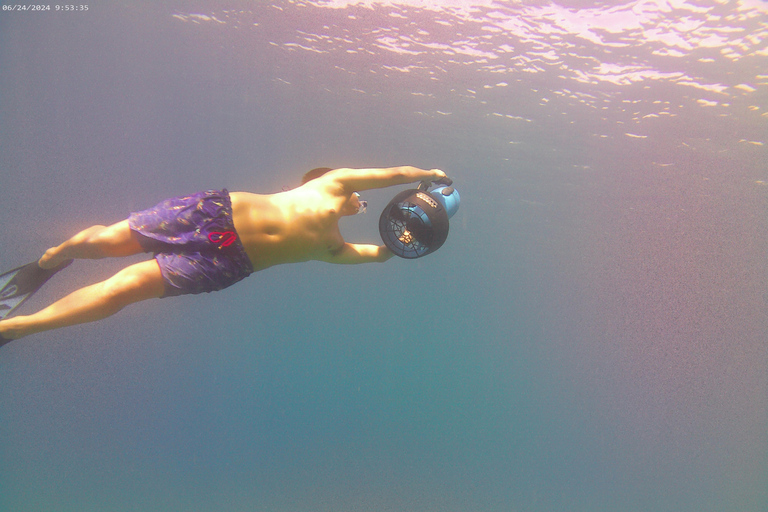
[{"x": 384, "y": 253}]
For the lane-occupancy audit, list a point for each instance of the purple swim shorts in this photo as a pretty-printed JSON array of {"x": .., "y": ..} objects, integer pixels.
[{"x": 194, "y": 241}]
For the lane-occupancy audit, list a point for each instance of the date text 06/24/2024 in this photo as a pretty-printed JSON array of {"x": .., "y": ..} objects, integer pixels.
[{"x": 45, "y": 7}]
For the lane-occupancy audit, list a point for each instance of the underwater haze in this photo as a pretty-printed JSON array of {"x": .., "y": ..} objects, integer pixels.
[{"x": 593, "y": 335}]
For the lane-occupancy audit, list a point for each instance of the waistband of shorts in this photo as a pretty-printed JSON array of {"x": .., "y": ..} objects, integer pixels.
[{"x": 238, "y": 245}]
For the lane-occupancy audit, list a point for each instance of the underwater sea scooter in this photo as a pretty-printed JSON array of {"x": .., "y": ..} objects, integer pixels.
[{"x": 415, "y": 222}]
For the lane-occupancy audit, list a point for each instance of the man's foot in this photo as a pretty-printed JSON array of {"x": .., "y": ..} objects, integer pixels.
[
  {"x": 4, "y": 340},
  {"x": 59, "y": 266},
  {"x": 51, "y": 260}
]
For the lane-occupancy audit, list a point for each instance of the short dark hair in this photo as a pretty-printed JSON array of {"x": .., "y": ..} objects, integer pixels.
[{"x": 314, "y": 174}]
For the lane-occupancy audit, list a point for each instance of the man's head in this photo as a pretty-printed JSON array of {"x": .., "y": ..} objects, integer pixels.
[{"x": 314, "y": 174}]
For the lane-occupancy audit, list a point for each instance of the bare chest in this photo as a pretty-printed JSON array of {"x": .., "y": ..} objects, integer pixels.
[{"x": 276, "y": 234}]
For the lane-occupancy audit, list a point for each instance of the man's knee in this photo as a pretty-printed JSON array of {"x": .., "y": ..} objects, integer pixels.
[
  {"x": 88, "y": 235},
  {"x": 116, "y": 240},
  {"x": 102, "y": 235},
  {"x": 138, "y": 282}
]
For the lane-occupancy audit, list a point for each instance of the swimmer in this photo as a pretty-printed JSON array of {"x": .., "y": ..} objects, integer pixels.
[{"x": 205, "y": 242}]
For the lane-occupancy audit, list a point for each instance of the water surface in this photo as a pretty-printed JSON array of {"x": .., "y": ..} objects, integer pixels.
[{"x": 592, "y": 336}]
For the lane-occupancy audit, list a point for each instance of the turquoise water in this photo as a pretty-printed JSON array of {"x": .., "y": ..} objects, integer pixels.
[{"x": 591, "y": 337}]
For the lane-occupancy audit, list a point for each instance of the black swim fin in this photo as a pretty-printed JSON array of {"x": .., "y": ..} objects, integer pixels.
[{"x": 19, "y": 284}]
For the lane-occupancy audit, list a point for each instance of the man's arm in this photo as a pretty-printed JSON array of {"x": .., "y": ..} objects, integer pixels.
[
  {"x": 352, "y": 254},
  {"x": 366, "y": 179}
]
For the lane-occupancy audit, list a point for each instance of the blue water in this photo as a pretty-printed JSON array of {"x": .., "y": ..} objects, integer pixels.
[{"x": 591, "y": 337}]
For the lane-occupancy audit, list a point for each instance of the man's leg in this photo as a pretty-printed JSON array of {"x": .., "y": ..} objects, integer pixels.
[
  {"x": 135, "y": 283},
  {"x": 94, "y": 243}
]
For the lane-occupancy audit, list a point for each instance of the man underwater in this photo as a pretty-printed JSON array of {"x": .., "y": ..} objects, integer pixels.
[{"x": 208, "y": 241}]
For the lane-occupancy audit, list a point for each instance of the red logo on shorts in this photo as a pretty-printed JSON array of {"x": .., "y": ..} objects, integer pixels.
[{"x": 224, "y": 239}]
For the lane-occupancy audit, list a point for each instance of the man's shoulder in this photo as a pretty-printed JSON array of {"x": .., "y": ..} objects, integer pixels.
[{"x": 327, "y": 185}]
